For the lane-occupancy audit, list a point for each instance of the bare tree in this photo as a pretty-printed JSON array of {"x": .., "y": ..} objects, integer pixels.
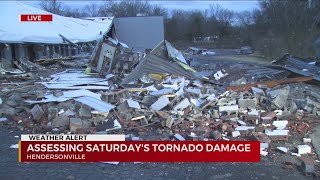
[
  {"x": 53, "y": 6},
  {"x": 177, "y": 27},
  {"x": 225, "y": 16},
  {"x": 125, "y": 8},
  {"x": 197, "y": 22},
  {"x": 245, "y": 18},
  {"x": 92, "y": 10},
  {"x": 285, "y": 27},
  {"x": 159, "y": 10},
  {"x": 73, "y": 12}
]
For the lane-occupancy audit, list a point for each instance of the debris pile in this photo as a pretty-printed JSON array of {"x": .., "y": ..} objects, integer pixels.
[
  {"x": 73, "y": 100},
  {"x": 167, "y": 106}
]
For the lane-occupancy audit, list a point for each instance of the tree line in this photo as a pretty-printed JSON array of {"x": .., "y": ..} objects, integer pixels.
[{"x": 274, "y": 28}]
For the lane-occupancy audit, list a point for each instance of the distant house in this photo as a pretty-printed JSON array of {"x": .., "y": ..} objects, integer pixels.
[
  {"x": 142, "y": 33},
  {"x": 63, "y": 37},
  {"x": 206, "y": 39}
]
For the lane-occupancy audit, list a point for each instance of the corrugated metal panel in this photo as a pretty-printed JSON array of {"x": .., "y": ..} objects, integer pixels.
[
  {"x": 95, "y": 103},
  {"x": 298, "y": 66},
  {"x": 76, "y": 79},
  {"x": 154, "y": 64}
]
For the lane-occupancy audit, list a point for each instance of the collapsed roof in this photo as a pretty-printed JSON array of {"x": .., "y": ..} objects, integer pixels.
[
  {"x": 299, "y": 66},
  {"x": 162, "y": 59},
  {"x": 74, "y": 29}
]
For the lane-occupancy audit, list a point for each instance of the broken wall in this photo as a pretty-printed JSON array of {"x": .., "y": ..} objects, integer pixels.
[{"x": 113, "y": 57}]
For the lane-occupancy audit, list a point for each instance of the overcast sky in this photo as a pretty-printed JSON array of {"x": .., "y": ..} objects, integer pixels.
[
  {"x": 237, "y": 6},
  {"x": 202, "y": 5}
]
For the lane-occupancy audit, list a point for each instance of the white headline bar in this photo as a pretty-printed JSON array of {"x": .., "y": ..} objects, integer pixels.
[{"x": 72, "y": 137}]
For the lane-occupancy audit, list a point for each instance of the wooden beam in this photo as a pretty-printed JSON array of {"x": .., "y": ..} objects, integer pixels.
[{"x": 270, "y": 84}]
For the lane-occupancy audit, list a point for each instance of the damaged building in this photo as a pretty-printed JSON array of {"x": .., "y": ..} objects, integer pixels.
[
  {"x": 64, "y": 37},
  {"x": 142, "y": 33},
  {"x": 22, "y": 43}
]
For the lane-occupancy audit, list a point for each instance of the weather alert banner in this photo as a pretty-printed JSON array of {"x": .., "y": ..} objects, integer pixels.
[{"x": 114, "y": 148}]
